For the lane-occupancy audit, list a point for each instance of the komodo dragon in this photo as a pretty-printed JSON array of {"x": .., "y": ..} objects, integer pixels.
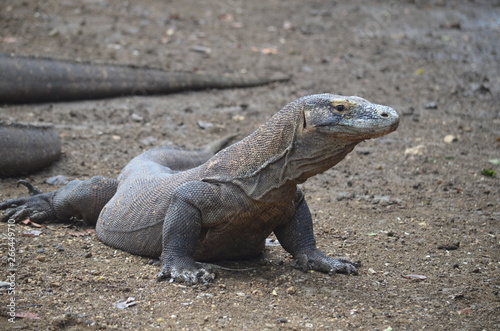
[
  {"x": 30, "y": 80},
  {"x": 190, "y": 206}
]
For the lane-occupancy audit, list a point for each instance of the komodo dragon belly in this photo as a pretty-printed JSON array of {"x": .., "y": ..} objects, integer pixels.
[{"x": 242, "y": 233}]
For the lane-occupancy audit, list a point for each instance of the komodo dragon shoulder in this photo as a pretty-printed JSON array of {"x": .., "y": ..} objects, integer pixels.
[{"x": 194, "y": 206}]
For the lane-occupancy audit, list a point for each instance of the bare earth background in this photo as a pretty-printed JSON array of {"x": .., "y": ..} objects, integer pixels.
[{"x": 391, "y": 204}]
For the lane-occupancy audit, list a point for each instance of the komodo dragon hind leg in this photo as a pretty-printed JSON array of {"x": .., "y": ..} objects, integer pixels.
[
  {"x": 80, "y": 199},
  {"x": 179, "y": 159}
]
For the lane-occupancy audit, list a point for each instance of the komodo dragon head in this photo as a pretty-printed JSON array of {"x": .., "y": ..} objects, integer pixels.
[
  {"x": 308, "y": 136},
  {"x": 345, "y": 118}
]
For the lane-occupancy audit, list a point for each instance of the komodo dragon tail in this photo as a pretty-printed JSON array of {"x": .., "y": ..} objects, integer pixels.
[
  {"x": 25, "y": 148},
  {"x": 31, "y": 80}
]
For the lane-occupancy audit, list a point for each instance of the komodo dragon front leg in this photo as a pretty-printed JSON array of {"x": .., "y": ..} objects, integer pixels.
[{"x": 297, "y": 238}]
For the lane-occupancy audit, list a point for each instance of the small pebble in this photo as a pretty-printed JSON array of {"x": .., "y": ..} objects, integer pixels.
[
  {"x": 431, "y": 105},
  {"x": 57, "y": 180},
  {"x": 136, "y": 118},
  {"x": 204, "y": 125},
  {"x": 450, "y": 139},
  {"x": 149, "y": 140},
  {"x": 417, "y": 150},
  {"x": 201, "y": 49}
]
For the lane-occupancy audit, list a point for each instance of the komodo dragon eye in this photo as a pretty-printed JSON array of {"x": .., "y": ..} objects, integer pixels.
[{"x": 340, "y": 108}]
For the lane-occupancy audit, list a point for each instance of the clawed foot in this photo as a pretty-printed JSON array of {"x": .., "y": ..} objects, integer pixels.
[
  {"x": 317, "y": 260},
  {"x": 190, "y": 276},
  {"x": 36, "y": 207}
]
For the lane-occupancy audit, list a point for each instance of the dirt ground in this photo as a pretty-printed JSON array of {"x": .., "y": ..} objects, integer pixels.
[{"x": 399, "y": 204}]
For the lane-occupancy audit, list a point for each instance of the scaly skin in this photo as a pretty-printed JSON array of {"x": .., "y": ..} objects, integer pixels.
[
  {"x": 188, "y": 206},
  {"x": 30, "y": 80},
  {"x": 25, "y": 148}
]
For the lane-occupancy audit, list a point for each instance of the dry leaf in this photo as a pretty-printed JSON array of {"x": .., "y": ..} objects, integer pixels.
[
  {"x": 28, "y": 315},
  {"x": 88, "y": 232},
  {"x": 125, "y": 303},
  {"x": 269, "y": 51},
  {"x": 415, "y": 276},
  {"x": 33, "y": 224},
  {"x": 31, "y": 233},
  {"x": 264, "y": 50}
]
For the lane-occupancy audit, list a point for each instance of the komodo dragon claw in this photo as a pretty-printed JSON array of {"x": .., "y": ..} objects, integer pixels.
[
  {"x": 36, "y": 206},
  {"x": 201, "y": 276},
  {"x": 317, "y": 260},
  {"x": 32, "y": 190}
]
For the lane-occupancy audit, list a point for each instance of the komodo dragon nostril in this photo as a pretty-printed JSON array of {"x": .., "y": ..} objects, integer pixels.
[{"x": 384, "y": 115}]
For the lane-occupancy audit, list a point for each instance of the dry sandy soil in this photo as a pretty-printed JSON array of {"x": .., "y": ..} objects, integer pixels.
[{"x": 398, "y": 204}]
